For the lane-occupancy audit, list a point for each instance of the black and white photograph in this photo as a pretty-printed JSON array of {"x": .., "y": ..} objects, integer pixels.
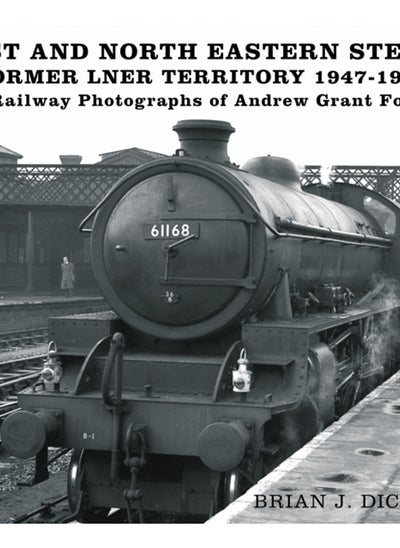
[{"x": 199, "y": 271}]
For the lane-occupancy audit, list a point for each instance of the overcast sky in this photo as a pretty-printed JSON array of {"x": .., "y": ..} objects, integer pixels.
[{"x": 312, "y": 134}]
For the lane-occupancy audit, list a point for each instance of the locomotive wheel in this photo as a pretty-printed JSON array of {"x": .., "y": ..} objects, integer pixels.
[
  {"x": 231, "y": 485},
  {"x": 76, "y": 491}
]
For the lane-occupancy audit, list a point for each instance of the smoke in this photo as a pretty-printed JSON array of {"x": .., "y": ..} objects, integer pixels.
[
  {"x": 374, "y": 357},
  {"x": 325, "y": 175},
  {"x": 380, "y": 330}
]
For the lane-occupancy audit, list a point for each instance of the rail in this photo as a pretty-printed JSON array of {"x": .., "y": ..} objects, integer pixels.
[
  {"x": 15, "y": 374},
  {"x": 26, "y": 337}
]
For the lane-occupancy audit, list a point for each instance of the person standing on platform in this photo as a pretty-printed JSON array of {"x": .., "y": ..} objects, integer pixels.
[{"x": 67, "y": 277}]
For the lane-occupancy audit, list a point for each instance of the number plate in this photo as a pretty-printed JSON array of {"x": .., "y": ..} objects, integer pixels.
[{"x": 170, "y": 231}]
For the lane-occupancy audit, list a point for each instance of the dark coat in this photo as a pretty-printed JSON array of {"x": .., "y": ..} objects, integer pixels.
[{"x": 67, "y": 275}]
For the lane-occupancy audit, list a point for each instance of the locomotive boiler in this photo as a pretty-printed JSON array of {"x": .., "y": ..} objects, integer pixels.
[{"x": 247, "y": 313}]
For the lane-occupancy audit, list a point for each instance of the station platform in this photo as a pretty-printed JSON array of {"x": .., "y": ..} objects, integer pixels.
[
  {"x": 31, "y": 311},
  {"x": 7, "y": 298},
  {"x": 347, "y": 474}
]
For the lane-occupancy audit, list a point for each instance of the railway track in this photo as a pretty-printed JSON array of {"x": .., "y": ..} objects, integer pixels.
[
  {"x": 22, "y": 338},
  {"x": 57, "y": 511},
  {"x": 18, "y": 370}
]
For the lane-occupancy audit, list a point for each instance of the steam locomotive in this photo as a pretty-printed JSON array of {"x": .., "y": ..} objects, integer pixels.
[{"x": 247, "y": 313}]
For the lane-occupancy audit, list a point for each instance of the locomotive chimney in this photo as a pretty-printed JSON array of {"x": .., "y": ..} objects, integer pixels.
[{"x": 205, "y": 139}]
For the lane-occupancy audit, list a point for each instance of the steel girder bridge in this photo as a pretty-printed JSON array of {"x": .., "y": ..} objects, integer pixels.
[{"x": 383, "y": 179}]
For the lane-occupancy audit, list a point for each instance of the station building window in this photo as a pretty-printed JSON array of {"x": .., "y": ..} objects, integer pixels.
[
  {"x": 3, "y": 247},
  {"x": 12, "y": 247},
  {"x": 83, "y": 251}
]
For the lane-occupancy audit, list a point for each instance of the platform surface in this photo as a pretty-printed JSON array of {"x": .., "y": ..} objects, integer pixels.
[
  {"x": 23, "y": 311},
  {"x": 349, "y": 473},
  {"x": 9, "y": 299}
]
